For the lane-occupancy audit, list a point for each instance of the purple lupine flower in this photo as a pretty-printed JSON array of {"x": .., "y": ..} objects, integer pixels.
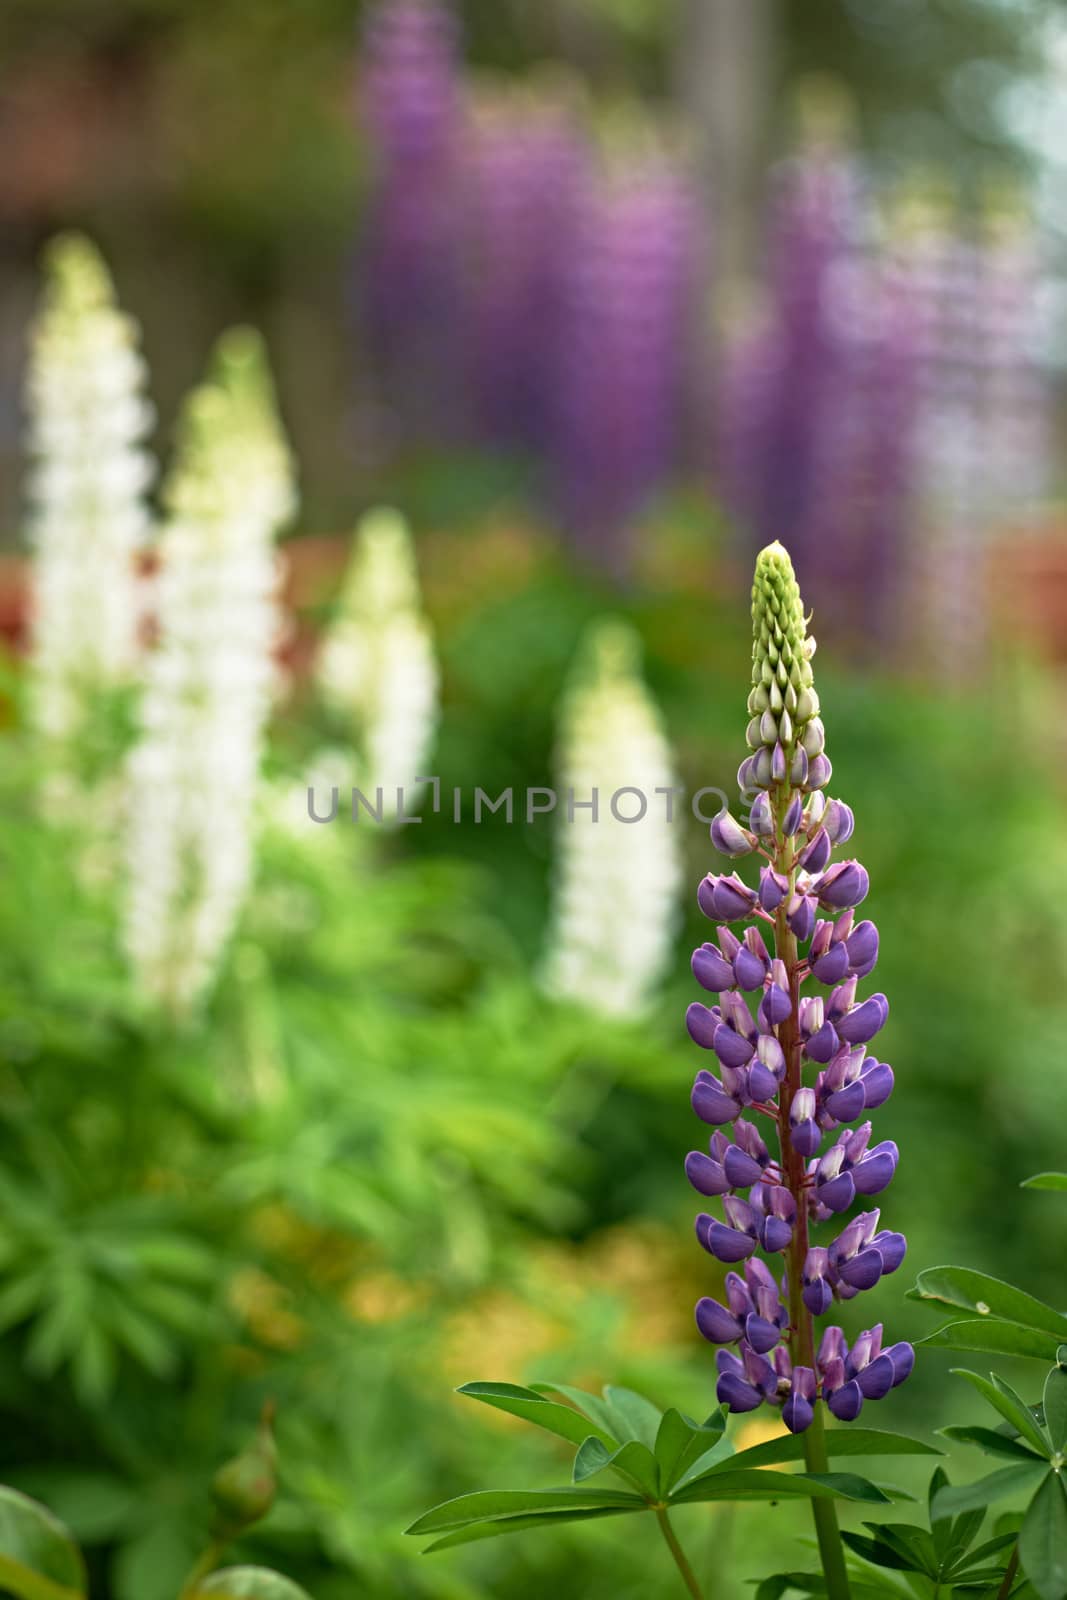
[
  {"x": 410, "y": 103},
  {"x": 983, "y": 434},
  {"x": 816, "y": 424},
  {"x": 524, "y": 170},
  {"x": 812, "y": 1158},
  {"x": 620, "y": 386}
]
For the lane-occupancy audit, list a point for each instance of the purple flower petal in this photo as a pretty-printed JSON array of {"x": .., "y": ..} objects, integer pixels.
[
  {"x": 798, "y": 1413},
  {"x": 740, "y": 1168},
  {"x": 706, "y": 1175},
  {"x": 876, "y": 1380},
  {"x": 701, "y": 1023},
  {"x": 823, "y": 1044},
  {"x": 903, "y": 1358},
  {"x": 712, "y": 1104},
  {"x": 716, "y": 1323},
  {"x": 846, "y": 1403},
  {"x": 892, "y": 1247},
  {"x": 749, "y": 970},
  {"x": 875, "y": 1172},
  {"x": 728, "y": 1244},
  {"x": 862, "y": 1271},
  {"x": 848, "y": 1103},
  {"x": 775, "y": 1235},
  {"x": 863, "y": 1022},
  {"x": 731, "y": 1049},
  {"x": 831, "y": 967},
  {"x": 761, "y": 1334},
  {"x": 736, "y": 1393},
  {"x": 877, "y": 1080},
  {"x": 711, "y": 970},
  {"x": 839, "y": 1193}
]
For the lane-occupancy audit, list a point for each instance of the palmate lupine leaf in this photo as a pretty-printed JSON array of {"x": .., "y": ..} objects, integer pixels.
[
  {"x": 688, "y": 1463},
  {"x": 962, "y": 1288}
]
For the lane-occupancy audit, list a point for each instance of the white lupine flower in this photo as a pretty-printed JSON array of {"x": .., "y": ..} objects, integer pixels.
[
  {"x": 87, "y": 517},
  {"x": 615, "y": 898},
  {"x": 377, "y": 669},
  {"x": 208, "y": 684}
]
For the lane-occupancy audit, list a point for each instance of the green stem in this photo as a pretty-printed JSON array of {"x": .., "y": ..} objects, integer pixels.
[
  {"x": 1009, "y": 1577},
  {"x": 206, "y": 1562},
  {"x": 801, "y": 1323},
  {"x": 831, "y": 1550},
  {"x": 681, "y": 1560}
]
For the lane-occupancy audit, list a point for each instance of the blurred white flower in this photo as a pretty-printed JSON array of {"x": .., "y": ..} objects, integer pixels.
[
  {"x": 376, "y": 669},
  {"x": 87, "y": 517},
  {"x": 615, "y": 900},
  {"x": 194, "y": 772}
]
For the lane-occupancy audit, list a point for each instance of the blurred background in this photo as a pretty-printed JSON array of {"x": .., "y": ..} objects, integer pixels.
[{"x": 601, "y": 296}]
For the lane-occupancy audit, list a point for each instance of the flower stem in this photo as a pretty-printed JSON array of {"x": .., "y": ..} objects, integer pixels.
[
  {"x": 831, "y": 1550},
  {"x": 681, "y": 1560},
  {"x": 206, "y": 1562},
  {"x": 1009, "y": 1577}
]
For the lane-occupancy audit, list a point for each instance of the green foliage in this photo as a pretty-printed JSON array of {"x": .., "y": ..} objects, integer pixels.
[{"x": 666, "y": 1459}]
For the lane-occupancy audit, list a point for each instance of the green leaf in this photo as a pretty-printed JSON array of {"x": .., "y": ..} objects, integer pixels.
[
  {"x": 994, "y": 1338},
  {"x": 532, "y": 1407},
  {"x": 248, "y": 1583},
  {"x": 1046, "y": 1180},
  {"x": 878, "y": 1553},
  {"x": 682, "y": 1444},
  {"x": 990, "y": 1440},
  {"x": 989, "y": 1297},
  {"x": 731, "y": 1485},
  {"x": 94, "y": 1506},
  {"x": 633, "y": 1459},
  {"x": 908, "y": 1543},
  {"x": 485, "y": 1505},
  {"x": 1054, "y": 1402},
  {"x": 633, "y": 1417},
  {"x": 38, "y": 1558},
  {"x": 846, "y": 1441},
  {"x": 546, "y": 1519},
  {"x": 590, "y": 1405},
  {"x": 1002, "y": 1398},
  {"x": 813, "y": 1583},
  {"x": 1023, "y": 1479},
  {"x": 1043, "y": 1539}
]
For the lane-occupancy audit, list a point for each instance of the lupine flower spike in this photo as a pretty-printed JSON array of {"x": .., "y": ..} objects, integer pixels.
[
  {"x": 195, "y": 768},
  {"x": 614, "y": 847},
  {"x": 88, "y": 417},
  {"x": 789, "y": 1103},
  {"x": 377, "y": 670}
]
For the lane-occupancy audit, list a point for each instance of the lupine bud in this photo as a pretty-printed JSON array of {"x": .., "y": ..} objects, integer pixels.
[
  {"x": 243, "y": 1490},
  {"x": 764, "y": 1067},
  {"x": 729, "y": 838}
]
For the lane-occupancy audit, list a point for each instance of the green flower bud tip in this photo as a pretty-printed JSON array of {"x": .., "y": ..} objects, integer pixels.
[
  {"x": 243, "y": 1490},
  {"x": 76, "y": 279},
  {"x": 783, "y": 699}
]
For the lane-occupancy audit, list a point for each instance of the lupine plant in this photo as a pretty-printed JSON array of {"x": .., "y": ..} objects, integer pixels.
[
  {"x": 88, "y": 415},
  {"x": 376, "y": 670},
  {"x": 800, "y": 1064},
  {"x": 611, "y": 737},
  {"x": 208, "y": 682}
]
